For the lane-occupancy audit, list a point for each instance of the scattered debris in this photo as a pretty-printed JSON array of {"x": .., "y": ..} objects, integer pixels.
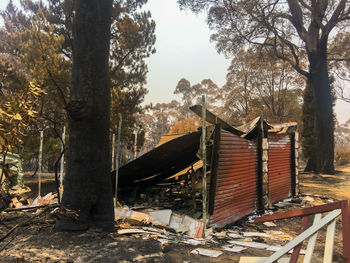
[
  {"x": 180, "y": 223},
  {"x": 235, "y": 249},
  {"x": 269, "y": 224},
  {"x": 283, "y": 204},
  {"x": 255, "y": 234},
  {"x": 18, "y": 204},
  {"x": 260, "y": 260},
  {"x": 132, "y": 231},
  {"x": 47, "y": 208},
  {"x": 221, "y": 234},
  {"x": 207, "y": 252},
  {"x": 143, "y": 257},
  {"x": 249, "y": 244},
  {"x": 161, "y": 217},
  {"x": 194, "y": 242}
]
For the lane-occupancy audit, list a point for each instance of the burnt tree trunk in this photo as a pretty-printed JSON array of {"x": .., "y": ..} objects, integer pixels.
[
  {"x": 323, "y": 150},
  {"x": 87, "y": 184}
]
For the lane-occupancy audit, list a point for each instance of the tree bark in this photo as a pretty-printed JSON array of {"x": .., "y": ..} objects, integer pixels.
[
  {"x": 323, "y": 153},
  {"x": 87, "y": 184}
]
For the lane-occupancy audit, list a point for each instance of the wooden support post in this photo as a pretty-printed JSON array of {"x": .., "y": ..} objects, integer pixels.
[
  {"x": 40, "y": 161},
  {"x": 296, "y": 153},
  {"x": 204, "y": 159},
  {"x": 346, "y": 230},
  {"x": 135, "y": 145},
  {"x": 312, "y": 241},
  {"x": 62, "y": 162},
  {"x": 113, "y": 147},
  {"x": 260, "y": 191},
  {"x": 263, "y": 197},
  {"x": 117, "y": 160},
  {"x": 328, "y": 247},
  {"x": 296, "y": 250}
]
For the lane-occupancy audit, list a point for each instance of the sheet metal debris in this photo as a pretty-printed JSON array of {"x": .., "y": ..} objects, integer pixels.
[
  {"x": 207, "y": 252},
  {"x": 180, "y": 223},
  {"x": 235, "y": 249}
]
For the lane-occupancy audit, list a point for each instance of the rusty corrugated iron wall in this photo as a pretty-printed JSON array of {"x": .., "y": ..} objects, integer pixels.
[
  {"x": 235, "y": 188},
  {"x": 279, "y": 164}
]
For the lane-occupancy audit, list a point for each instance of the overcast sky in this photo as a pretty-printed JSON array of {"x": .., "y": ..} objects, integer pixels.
[{"x": 184, "y": 51}]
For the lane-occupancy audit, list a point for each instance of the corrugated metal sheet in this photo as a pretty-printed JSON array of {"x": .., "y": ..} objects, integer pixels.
[
  {"x": 279, "y": 167},
  {"x": 235, "y": 189},
  {"x": 168, "y": 138}
]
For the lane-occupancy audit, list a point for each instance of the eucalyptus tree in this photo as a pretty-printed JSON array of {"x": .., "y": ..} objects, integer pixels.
[{"x": 298, "y": 32}]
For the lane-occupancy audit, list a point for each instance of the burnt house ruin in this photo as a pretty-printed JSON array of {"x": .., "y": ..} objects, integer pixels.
[{"x": 248, "y": 169}]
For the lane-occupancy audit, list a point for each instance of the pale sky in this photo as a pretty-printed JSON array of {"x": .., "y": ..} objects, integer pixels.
[{"x": 184, "y": 51}]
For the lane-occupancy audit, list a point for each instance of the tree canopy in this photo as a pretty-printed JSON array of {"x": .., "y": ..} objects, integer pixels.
[
  {"x": 296, "y": 31},
  {"x": 40, "y": 35}
]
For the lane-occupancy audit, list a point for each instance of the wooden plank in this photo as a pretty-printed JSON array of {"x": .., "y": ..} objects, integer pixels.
[
  {"x": 312, "y": 242},
  {"x": 302, "y": 212},
  {"x": 346, "y": 231},
  {"x": 306, "y": 234},
  {"x": 260, "y": 260},
  {"x": 296, "y": 250},
  {"x": 328, "y": 248}
]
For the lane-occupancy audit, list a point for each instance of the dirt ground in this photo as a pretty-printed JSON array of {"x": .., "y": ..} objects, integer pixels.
[{"x": 38, "y": 242}]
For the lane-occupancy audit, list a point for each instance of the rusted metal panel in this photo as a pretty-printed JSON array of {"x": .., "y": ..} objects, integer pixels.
[
  {"x": 279, "y": 166},
  {"x": 235, "y": 189}
]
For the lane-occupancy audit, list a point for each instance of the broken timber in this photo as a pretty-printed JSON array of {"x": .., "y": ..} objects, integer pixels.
[{"x": 335, "y": 209}]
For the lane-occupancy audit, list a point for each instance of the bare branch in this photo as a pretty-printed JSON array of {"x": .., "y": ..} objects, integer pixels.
[
  {"x": 334, "y": 19},
  {"x": 297, "y": 18}
]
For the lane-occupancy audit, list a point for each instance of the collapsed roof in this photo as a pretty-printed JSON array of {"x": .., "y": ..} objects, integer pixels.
[{"x": 178, "y": 152}]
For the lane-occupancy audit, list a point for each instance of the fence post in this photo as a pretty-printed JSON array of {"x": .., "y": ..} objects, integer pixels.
[
  {"x": 40, "y": 161},
  {"x": 62, "y": 162},
  {"x": 113, "y": 156},
  {"x": 117, "y": 162},
  {"x": 204, "y": 168}
]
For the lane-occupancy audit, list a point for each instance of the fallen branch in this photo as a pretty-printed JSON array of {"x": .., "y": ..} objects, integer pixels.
[
  {"x": 28, "y": 221},
  {"x": 24, "y": 208},
  {"x": 1, "y": 249}
]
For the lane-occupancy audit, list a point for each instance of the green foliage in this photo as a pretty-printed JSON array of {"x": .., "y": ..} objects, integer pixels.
[{"x": 308, "y": 121}]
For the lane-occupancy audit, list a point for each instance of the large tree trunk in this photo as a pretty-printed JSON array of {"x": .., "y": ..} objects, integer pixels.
[
  {"x": 87, "y": 184},
  {"x": 323, "y": 153},
  {"x": 307, "y": 131}
]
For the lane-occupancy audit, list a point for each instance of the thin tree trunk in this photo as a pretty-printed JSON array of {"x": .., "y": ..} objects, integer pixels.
[
  {"x": 87, "y": 184},
  {"x": 323, "y": 153}
]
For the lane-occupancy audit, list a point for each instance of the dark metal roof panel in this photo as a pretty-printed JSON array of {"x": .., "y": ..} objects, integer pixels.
[
  {"x": 235, "y": 180},
  {"x": 213, "y": 119},
  {"x": 161, "y": 162},
  {"x": 279, "y": 167}
]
